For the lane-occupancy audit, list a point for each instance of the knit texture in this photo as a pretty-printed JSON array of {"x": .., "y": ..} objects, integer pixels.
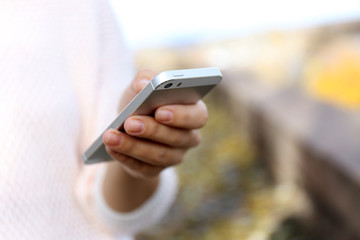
[{"x": 62, "y": 71}]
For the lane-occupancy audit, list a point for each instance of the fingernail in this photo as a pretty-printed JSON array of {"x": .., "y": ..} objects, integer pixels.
[
  {"x": 136, "y": 126},
  {"x": 164, "y": 115},
  {"x": 112, "y": 139}
]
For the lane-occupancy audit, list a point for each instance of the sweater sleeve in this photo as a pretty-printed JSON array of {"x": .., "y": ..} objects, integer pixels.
[
  {"x": 113, "y": 74},
  {"x": 147, "y": 214}
]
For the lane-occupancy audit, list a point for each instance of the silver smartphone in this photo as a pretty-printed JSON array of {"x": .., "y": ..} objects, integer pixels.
[{"x": 170, "y": 87}]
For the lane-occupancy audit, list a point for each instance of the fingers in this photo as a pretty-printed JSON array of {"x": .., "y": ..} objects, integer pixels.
[
  {"x": 183, "y": 116},
  {"x": 135, "y": 167},
  {"x": 148, "y": 128},
  {"x": 119, "y": 143}
]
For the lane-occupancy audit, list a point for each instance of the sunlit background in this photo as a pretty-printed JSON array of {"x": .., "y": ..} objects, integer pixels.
[
  {"x": 168, "y": 23},
  {"x": 280, "y": 155}
]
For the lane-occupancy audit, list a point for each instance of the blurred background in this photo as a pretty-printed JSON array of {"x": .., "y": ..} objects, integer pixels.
[{"x": 280, "y": 156}]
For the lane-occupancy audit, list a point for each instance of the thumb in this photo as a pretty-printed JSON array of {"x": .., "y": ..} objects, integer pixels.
[{"x": 141, "y": 79}]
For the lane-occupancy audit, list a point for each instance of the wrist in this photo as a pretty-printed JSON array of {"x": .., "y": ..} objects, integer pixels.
[{"x": 124, "y": 192}]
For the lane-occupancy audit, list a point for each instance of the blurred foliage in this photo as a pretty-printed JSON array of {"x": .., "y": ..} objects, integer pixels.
[
  {"x": 291, "y": 228},
  {"x": 325, "y": 60},
  {"x": 333, "y": 73},
  {"x": 225, "y": 191}
]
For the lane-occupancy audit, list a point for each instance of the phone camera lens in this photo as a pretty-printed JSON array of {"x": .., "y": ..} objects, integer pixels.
[{"x": 168, "y": 85}]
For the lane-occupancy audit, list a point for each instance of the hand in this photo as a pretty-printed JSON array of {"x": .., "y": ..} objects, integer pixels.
[{"x": 151, "y": 144}]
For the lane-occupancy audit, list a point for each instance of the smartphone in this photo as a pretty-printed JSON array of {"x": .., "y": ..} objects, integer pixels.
[{"x": 170, "y": 87}]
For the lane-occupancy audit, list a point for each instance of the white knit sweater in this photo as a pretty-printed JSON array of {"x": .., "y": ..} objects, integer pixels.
[{"x": 62, "y": 71}]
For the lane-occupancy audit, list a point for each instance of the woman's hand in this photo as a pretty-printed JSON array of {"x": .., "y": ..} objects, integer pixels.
[{"x": 151, "y": 144}]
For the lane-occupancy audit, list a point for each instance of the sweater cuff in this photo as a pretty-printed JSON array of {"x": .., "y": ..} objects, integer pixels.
[{"x": 147, "y": 214}]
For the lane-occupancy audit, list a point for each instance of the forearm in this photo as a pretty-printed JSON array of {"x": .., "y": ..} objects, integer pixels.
[{"x": 123, "y": 192}]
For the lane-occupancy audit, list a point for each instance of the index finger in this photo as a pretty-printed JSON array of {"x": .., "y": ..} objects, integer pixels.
[{"x": 192, "y": 116}]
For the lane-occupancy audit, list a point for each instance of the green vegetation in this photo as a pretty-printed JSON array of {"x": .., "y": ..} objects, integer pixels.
[{"x": 225, "y": 192}]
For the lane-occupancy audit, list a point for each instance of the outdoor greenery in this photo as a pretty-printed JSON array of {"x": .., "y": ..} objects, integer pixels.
[{"x": 225, "y": 191}]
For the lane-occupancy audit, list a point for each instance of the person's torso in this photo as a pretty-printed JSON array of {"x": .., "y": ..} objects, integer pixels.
[{"x": 44, "y": 47}]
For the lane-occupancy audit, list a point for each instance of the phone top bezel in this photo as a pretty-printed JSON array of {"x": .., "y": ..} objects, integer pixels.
[{"x": 212, "y": 74}]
